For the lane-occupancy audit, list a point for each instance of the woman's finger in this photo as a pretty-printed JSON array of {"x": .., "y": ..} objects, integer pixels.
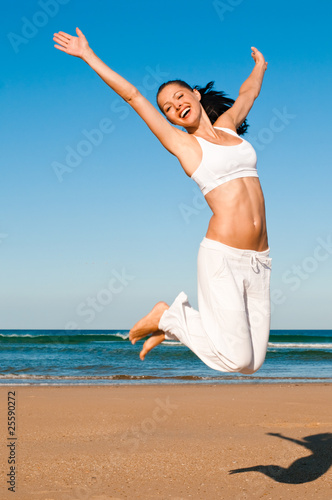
[
  {"x": 60, "y": 48},
  {"x": 64, "y": 45},
  {"x": 59, "y": 42},
  {"x": 64, "y": 34},
  {"x": 60, "y": 38}
]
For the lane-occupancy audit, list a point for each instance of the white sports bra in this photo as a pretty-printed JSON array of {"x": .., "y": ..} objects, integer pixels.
[{"x": 221, "y": 164}]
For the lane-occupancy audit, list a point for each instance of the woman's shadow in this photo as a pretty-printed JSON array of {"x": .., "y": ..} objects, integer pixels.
[{"x": 304, "y": 469}]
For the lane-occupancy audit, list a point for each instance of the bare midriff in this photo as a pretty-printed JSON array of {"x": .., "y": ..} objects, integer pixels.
[{"x": 238, "y": 214}]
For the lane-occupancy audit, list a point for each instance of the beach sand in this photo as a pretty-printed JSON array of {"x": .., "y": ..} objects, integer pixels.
[{"x": 169, "y": 442}]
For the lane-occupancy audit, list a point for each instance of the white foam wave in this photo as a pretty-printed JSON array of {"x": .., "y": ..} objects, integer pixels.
[
  {"x": 15, "y": 376},
  {"x": 283, "y": 345},
  {"x": 118, "y": 334},
  {"x": 171, "y": 342},
  {"x": 19, "y": 335}
]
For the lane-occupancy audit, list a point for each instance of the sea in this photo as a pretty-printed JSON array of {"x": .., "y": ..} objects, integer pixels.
[{"x": 106, "y": 357}]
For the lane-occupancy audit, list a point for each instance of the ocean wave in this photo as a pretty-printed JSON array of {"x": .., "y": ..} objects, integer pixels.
[
  {"x": 285, "y": 345},
  {"x": 62, "y": 338},
  {"x": 14, "y": 376},
  {"x": 302, "y": 336},
  {"x": 301, "y": 340}
]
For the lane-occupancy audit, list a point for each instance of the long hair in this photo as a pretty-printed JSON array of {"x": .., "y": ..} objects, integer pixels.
[{"x": 214, "y": 102}]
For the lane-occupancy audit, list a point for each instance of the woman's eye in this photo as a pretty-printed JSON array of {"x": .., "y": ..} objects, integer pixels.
[
  {"x": 180, "y": 96},
  {"x": 167, "y": 110}
]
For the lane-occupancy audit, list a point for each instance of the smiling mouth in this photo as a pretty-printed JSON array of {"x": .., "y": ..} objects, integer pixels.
[{"x": 185, "y": 112}]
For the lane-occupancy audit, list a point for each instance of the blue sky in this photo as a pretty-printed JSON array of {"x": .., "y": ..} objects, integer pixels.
[{"x": 97, "y": 246}]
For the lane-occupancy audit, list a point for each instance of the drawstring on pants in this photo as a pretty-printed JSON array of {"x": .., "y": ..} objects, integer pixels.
[{"x": 254, "y": 262}]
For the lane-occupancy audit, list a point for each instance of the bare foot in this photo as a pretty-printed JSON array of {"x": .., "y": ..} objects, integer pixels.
[
  {"x": 153, "y": 341},
  {"x": 148, "y": 324}
]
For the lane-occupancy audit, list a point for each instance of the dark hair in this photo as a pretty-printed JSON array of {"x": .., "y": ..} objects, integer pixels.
[{"x": 214, "y": 102}]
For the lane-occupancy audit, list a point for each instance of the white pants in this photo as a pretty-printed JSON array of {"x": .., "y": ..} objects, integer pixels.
[{"x": 230, "y": 331}]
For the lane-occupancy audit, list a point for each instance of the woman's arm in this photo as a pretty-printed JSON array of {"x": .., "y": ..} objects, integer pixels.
[
  {"x": 249, "y": 91},
  {"x": 170, "y": 137}
]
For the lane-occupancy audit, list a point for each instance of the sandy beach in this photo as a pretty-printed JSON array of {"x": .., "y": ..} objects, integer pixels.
[{"x": 169, "y": 442}]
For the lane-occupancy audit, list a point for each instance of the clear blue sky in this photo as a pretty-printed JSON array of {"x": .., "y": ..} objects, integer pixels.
[{"x": 98, "y": 245}]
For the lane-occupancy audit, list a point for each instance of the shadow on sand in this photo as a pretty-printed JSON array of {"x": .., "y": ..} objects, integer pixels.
[{"x": 304, "y": 469}]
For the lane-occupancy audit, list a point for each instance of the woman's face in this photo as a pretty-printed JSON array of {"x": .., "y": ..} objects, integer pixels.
[{"x": 180, "y": 105}]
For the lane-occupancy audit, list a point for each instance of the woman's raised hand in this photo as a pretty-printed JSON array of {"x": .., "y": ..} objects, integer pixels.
[
  {"x": 73, "y": 45},
  {"x": 258, "y": 57}
]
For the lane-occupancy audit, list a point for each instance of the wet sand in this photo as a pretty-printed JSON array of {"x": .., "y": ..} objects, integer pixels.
[{"x": 231, "y": 442}]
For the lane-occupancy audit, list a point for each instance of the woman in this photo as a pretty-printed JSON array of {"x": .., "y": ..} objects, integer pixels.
[{"x": 231, "y": 329}]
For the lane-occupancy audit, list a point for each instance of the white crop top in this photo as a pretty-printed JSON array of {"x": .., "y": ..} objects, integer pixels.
[{"x": 221, "y": 164}]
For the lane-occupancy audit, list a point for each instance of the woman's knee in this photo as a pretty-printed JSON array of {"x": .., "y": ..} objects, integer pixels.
[
  {"x": 240, "y": 361},
  {"x": 246, "y": 361},
  {"x": 252, "y": 367}
]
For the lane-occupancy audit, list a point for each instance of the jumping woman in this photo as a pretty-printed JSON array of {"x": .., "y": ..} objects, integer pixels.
[{"x": 230, "y": 330}]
